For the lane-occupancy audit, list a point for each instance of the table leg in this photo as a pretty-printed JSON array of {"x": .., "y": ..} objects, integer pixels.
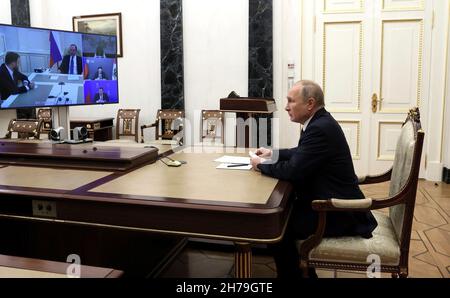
[{"x": 243, "y": 260}]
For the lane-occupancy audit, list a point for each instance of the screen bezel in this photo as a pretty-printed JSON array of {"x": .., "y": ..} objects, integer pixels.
[{"x": 67, "y": 105}]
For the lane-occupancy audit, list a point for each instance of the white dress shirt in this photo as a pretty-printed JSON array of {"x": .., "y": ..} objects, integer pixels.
[
  {"x": 306, "y": 123},
  {"x": 11, "y": 72}
]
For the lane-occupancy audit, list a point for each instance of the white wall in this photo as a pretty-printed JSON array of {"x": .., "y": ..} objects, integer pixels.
[
  {"x": 139, "y": 69},
  {"x": 215, "y": 37},
  {"x": 5, "y": 8},
  {"x": 435, "y": 129},
  {"x": 5, "y": 18},
  {"x": 446, "y": 145},
  {"x": 5, "y": 12},
  {"x": 216, "y": 59},
  {"x": 287, "y": 48}
]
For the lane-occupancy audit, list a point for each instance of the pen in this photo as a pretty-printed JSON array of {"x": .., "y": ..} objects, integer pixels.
[{"x": 237, "y": 165}]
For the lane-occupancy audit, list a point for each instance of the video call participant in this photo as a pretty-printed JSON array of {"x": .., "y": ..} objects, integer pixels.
[
  {"x": 101, "y": 96},
  {"x": 12, "y": 81},
  {"x": 72, "y": 64},
  {"x": 100, "y": 74}
]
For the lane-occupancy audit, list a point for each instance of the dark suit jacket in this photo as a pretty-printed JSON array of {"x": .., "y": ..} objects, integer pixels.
[
  {"x": 105, "y": 97},
  {"x": 8, "y": 86},
  {"x": 321, "y": 167},
  {"x": 66, "y": 62}
]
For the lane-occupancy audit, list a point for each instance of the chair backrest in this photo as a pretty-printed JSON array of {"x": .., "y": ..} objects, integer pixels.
[
  {"x": 168, "y": 124},
  {"x": 212, "y": 125},
  {"x": 405, "y": 174},
  {"x": 127, "y": 123},
  {"x": 25, "y": 128},
  {"x": 46, "y": 116}
]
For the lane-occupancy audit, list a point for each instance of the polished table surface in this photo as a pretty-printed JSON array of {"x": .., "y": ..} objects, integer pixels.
[
  {"x": 195, "y": 199},
  {"x": 128, "y": 143},
  {"x": 17, "y": 267},
  {"x": 198, "y": 180}
]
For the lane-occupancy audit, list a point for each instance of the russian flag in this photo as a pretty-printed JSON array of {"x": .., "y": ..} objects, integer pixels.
[{"x": 55, "y": 53}]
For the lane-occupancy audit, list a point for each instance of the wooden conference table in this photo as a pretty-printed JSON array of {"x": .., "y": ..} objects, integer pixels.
[{"x": 194, "y": 200}]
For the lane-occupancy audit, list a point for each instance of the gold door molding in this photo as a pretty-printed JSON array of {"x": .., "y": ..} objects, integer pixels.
[
  {"x": 357, "y": 104},
  {"x": 419, "y": 65},
  {"x": 356, "y": 125},
  {"x": 343, "y": 6},
  {"x": 395, "y": 5},
  {"x": 386, "y": 157}
]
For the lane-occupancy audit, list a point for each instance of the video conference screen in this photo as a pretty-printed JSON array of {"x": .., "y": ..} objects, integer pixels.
[{"x": 47, "y": 68}]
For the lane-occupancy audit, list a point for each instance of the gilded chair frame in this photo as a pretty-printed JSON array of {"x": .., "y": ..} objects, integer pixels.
[
  {"x": 166, "y": 117},
  {"x": 25, "y": 128}
]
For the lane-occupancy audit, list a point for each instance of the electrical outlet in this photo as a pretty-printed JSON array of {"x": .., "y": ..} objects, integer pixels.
[{"x": 44, "y": 208}]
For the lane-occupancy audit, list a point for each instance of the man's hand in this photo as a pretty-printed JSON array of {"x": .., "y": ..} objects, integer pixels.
[
  {"x": 264, "y": 152},
  {"x": 31, "y": 85},
  {"x": 255, "y": 161}
]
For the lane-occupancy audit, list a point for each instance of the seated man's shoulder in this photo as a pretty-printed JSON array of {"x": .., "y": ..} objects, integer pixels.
[
  {"x": 325, "y": 123},
  {"x": 326, "y": 126}
]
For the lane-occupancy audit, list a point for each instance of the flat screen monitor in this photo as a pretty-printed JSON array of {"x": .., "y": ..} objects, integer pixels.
[{"x": 48, "y": 68}]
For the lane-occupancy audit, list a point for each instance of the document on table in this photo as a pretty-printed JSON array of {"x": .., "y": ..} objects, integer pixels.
[
  {"x": 233, "y": 160},
  {"x": 228, "y": 166},
  {"x": 54, "y": 78}
]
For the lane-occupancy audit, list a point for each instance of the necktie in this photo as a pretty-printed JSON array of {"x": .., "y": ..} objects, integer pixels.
[{"x": 72, "y": 66}]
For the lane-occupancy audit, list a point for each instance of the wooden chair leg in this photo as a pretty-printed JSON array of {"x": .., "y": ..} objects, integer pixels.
[
  {"x": 403, "y": 273},
  {"x": 304, "y": 268}
]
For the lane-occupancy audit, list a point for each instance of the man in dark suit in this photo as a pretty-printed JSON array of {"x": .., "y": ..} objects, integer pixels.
[
  {"x": 72, "y": 64},
  {"x": 12, "y": 81},
  {"x": 101, "y": 96},
  {"x": 320, "y": 167}
]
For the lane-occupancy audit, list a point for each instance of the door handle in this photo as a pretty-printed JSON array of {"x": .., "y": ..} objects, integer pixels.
[{"x": 375, "y": 102}]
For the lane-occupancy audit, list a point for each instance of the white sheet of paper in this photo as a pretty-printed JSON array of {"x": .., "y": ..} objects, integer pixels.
[
  {"x": 165, "y": 142},
  {"x": 73, "y": 77},
  {"x": 54, "y": 78},
  {"x": 233, "y": 159},
  {"x": 224, "y": 166}
]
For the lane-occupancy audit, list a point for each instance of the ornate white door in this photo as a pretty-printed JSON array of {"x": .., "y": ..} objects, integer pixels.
[{"x": 371, "y": 59}]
